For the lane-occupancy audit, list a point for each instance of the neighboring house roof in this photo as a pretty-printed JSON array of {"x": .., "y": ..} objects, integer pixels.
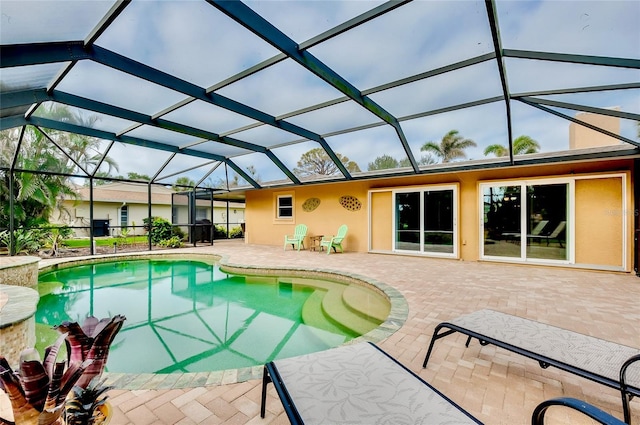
[{"x": 138, "y": 194}]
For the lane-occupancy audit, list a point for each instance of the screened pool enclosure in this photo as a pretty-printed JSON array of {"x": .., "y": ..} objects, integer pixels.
[{"x": 231, "y": 96}]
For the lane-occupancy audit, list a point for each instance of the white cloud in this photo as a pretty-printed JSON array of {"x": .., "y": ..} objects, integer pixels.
[
  {"x": 188, "y": 38},
  {"x": 603, "y": 28},
  {"x": 29, "y": 21},
  {"x": 302, "y": 20}
]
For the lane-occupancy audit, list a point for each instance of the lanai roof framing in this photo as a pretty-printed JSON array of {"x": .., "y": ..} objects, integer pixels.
[{"x": 18, "y": 104}]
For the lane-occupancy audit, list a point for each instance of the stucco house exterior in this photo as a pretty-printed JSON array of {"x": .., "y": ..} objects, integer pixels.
[
  {"x": 122, "y": 205},
  {"x": 571, "y": 213}
]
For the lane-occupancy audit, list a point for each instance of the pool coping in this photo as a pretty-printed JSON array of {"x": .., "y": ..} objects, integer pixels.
[{"x": 148, "y": 381}]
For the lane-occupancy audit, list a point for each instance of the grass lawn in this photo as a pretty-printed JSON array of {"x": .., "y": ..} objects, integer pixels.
[{"x": 84, "y": 243}]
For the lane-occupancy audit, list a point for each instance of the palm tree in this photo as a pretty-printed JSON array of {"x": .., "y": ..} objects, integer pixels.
[
  {"x": 497, "y": 150},
  {"x": 36, "y": 195},
  {"x": 521, "y": 145},
  {"x": 451, "y": 147},
  {"x": 85, "y": 150}
]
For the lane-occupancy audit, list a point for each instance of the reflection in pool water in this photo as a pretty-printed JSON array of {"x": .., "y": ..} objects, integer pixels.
[{"x": 188, "y": 316}]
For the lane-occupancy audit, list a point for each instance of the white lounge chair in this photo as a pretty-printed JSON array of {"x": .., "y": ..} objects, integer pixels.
[
  {"x": 357, "y": 384},
  {"x": 614, "y": 365}
]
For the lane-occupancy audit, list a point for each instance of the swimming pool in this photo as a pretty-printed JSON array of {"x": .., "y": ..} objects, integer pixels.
[{"x": 189, "y": 316}]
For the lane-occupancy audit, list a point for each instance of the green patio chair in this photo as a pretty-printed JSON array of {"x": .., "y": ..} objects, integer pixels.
[
  {"x": 335, "y": 241},
  {"x": 299, "y": 233}
]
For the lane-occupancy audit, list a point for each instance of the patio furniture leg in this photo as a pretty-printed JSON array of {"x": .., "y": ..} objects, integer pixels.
[
  {"x": 626, "y": 398},
  {"x": 435, "y": 337},
  {"x": 265, "y": 380},
  {"x": 580, "y": 406}
]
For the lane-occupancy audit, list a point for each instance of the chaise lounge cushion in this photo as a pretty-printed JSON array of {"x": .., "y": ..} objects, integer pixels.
[
  {"x": 593, "y": 355},
  {"x": 360, "y": 384}
]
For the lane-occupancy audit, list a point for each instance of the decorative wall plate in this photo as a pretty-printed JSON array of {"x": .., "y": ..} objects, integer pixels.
[
  {"x": 310, "y": 204},
  {"x": 350, "y": 203}
]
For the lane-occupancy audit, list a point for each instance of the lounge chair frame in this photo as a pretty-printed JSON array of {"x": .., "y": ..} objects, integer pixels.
[
  {"x": 577, "y": 405},
  {"x": 627, "y": 390},
  {"x": 555, "y": 234},
  {"x": 271, "y": 374}
]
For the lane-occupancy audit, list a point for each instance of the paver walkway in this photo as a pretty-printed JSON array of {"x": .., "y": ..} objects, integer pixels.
[{"x": 495, "y": 385}]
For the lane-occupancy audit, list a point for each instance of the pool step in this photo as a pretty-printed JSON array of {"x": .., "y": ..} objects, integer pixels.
[
  {"x": 313, "y": 315},
  {"x": 366, "y": 303},
  {"x": 341, "y": 308},
  {"x": 336, "y": 309}
]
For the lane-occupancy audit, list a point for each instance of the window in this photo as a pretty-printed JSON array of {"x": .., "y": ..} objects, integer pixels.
[
  {"x": 424, "y": 221},
  {"x": 124, "y": 216},
  {"x": 174, "y": 215},
  {"x": 527, "y": 221},
  {"x": 285, "y": 206},
  {"x": 201, "y": 213}
]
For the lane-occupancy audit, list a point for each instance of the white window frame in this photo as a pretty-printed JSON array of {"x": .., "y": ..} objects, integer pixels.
[
  {"x": 523, "y": 219},
  {"x": 278, "y": 208},
  {"x": 124, "y": 211},
  {"x": 455, "y": 212},
  {"x": 571, "y": 217}
]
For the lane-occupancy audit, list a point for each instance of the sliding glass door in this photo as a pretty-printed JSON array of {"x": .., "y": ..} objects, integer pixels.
[
  {"x": 526, "y": 221},
  {"x": 407, "y": 212},
  {"x": 425, "y": 221},
  {"x": 502, "y": 221}
]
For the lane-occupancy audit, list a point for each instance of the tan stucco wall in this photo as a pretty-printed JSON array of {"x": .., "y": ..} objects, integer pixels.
[
  {"x": 264, "y": 228},
  {"x": 583, "y": 137},
  {"x": 599, "y": 218},
  {"x": 381, "y": 221}
]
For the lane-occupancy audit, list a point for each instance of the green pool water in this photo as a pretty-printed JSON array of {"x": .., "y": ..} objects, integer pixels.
[{"x": 188, "y": 316}]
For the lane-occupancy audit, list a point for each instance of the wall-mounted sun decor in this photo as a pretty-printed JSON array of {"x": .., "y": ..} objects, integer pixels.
[
  {"x": 310, "y": 204},
  {"x": 350, "y": 203}
]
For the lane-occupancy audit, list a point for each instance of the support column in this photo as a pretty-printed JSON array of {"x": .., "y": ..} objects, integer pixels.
[
  {"x": 150, "y": 221},
  {"x": 91, "y": 240},
  {"x": 636, "y": 218},
  {"x": 12, "y": 239}
]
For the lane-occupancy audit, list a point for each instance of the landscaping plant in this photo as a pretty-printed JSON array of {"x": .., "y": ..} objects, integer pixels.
[
  {"x": 91, "y": 341},
  {"x": 83, "y": 407},
  {"x": 39, "y": 392}
]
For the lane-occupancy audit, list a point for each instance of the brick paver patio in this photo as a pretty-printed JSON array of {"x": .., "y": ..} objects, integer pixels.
[{"x": 494, "y": 385}]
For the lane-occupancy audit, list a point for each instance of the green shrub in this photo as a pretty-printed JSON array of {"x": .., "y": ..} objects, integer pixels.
[
  {"x": 160, "y": 229},
  {"x": 219, "y": 232},
  {"x": 236, "y": 232},
  {"x": 173, "y": 242},
  {"x": 178, "y": 232},
  {"x": 27, "y": 241},
  {"x": 54, "y": 238}
]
